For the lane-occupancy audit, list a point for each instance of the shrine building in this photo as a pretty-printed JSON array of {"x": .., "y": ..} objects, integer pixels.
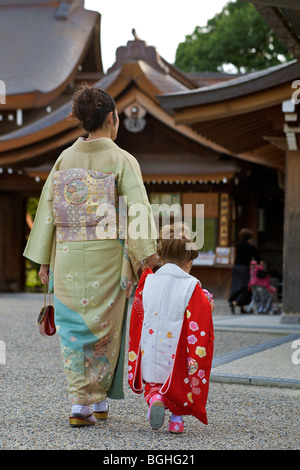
[
  {"x": 211, "y": 139},
  {"x": 256, "y": 118}
]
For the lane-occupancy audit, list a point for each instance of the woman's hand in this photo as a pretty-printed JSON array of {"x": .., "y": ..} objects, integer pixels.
[
  {"x": 44, "y": 273},
  {"x": 151, "y": 262}
]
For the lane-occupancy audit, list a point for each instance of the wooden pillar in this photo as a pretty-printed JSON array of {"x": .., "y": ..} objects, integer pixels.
[
  {"x": 291, "y": 251},
  {"x": 12, "y": 241}
]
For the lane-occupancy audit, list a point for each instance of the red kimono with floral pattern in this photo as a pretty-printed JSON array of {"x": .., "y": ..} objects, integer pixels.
[{"x": 186, "y": 388}]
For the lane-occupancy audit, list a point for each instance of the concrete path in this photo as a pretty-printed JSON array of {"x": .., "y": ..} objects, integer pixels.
[
  {"x": 275, "y": 362},
  {"x": 253, "y": 401}
]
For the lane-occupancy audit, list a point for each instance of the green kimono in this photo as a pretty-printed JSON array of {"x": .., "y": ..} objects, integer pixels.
[{"x": 92, "y": 274}]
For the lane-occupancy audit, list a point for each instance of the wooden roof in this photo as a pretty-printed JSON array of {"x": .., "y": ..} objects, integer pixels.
[
  {"x": 42, "y": 44},
  {"x": 243, "y": 115},
  {"x": 137, "y": 78},
  {"x": 283, "y": 16},
  {"x": 279, "y": 76},
  {"x": 138, "y": 75}
]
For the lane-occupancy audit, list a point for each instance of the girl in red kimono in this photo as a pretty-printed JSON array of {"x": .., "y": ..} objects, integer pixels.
[{"x": 171, "y": 335}]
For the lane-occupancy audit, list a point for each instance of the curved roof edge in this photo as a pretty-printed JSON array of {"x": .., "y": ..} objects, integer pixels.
[
  {"x": 236, "y": 87},
  {"x": 56, "y": 47}
]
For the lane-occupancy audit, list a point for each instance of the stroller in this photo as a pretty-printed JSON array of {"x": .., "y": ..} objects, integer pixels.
[{"x": 263, "y": 294}]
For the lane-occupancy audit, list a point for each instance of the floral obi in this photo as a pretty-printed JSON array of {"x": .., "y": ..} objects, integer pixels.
[{"x": 84, "y": 205}]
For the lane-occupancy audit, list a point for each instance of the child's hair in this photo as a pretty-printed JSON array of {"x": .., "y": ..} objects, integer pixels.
[{"x": 175, "y": 244}]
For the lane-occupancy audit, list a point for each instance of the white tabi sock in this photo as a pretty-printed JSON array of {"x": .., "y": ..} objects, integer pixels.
[
  {"x": 175, "y": 418},
  {"x": 81, "y": 409},
  {"x": 100, "y": 406}
]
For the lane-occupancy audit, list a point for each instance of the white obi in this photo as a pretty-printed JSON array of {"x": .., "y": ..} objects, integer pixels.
[
  {"x": 166, "y": 295},
  {"x": 84, "y": 205}
]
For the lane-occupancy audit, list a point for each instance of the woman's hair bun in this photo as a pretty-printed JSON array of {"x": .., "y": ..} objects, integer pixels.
[{"x": 91, "y": 106}]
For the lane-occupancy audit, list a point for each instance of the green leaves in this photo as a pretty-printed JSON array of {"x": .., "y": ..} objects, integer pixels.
[{"x": 238, "y": 37}]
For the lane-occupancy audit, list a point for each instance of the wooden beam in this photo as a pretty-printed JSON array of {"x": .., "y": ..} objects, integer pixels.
[
  {"x": 205, "y": 177},
  {"x": 19, "y": 183},
  {"x": 256, "y": 157},
  {"x": 277, "y": 141},
  {"x": 40, "y": 148},
  {"x": 38, "y": 136},
  {"x": 235, "y": 106}
]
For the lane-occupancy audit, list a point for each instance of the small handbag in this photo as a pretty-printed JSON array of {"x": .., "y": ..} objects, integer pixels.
[{"x": 45, "y": 320}]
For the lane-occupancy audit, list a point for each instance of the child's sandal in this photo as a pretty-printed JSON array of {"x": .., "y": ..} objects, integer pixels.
[
  {"x": 176, "y": 427},
  {"x": 156, "y": 411}
]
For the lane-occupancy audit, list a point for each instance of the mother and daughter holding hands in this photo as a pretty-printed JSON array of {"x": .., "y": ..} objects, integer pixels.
[{"x": 171, "y": 330}]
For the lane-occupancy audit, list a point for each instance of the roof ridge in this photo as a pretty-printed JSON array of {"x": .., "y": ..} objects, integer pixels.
[
  {"x": 36, "y": 3},
  {"x": 138, "y": 50}
]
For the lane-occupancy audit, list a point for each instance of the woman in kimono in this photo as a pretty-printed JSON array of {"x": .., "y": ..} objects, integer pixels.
[
  {"x": 171, "y": 335},
  {"x": 82, "y": 241}
]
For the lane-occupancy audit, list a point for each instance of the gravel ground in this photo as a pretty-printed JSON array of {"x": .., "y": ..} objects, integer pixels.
[{"x": 35, "y": 407}]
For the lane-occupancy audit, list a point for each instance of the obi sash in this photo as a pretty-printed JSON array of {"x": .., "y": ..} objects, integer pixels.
[{"x": 84, "y": 205}]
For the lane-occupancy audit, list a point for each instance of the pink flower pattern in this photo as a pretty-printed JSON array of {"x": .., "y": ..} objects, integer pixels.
[
  {"x": 194, "y": 326},
  {"x": 194, "y": 381},
  {"x": 192, "y": 339}
]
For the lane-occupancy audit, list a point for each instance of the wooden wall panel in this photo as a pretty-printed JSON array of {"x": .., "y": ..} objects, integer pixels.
[{"x": 291, "y": 259}]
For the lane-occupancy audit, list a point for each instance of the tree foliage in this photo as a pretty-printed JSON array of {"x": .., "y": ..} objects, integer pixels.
[{"x": 237, "y": 36}]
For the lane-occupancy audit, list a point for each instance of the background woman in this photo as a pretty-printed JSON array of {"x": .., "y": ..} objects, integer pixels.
[
  {"x": 86, "y": 258},
  {"x": 245, "y": 252}
]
